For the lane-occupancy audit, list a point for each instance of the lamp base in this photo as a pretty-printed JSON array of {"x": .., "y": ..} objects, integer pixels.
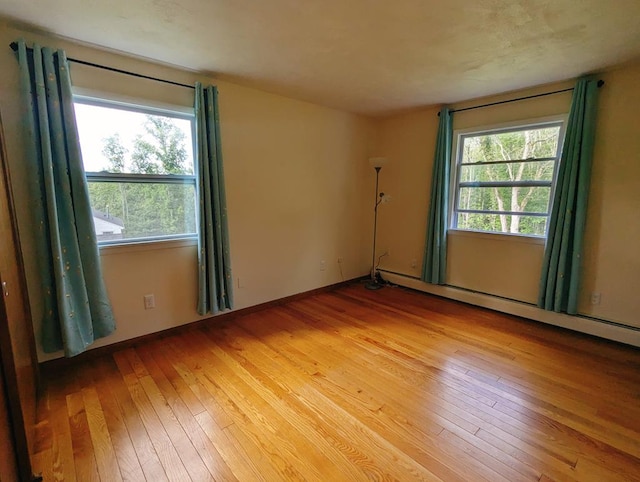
[{"x": 373, "y": 285}]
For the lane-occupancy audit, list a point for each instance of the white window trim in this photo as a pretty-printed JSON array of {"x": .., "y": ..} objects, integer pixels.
[
  {"x": 115, "y": 249},
  {"x": 458, "y": 134},
  {"x": 87, "y": 97},
  {"x": 134, "y": 102}
]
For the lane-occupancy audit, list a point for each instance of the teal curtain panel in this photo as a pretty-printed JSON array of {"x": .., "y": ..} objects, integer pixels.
[
  {"x": 215, "y": 283},
  {"x": 76, "y": 307},
  {"x": 434, "y": 267},
  {"x": 560, "y": 280}
]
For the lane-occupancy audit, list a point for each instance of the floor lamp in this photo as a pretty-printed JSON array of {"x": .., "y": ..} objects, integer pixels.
[{"x": 376, "y": 163}]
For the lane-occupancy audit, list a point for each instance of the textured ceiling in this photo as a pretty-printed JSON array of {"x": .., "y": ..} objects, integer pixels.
[{"x": 367, "y": 56}]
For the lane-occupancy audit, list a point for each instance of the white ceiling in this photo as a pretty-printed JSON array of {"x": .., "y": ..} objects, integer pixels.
[{"x": 367, "y": 56}]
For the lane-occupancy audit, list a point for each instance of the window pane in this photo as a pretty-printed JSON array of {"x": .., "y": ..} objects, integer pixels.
[
  {"x": 508, "y": 156},
  {"x": 520, "y": 199},
  {"x": 518, "y": 171},
  {"x": 130, "y": 210},
  {"x": 503, "y": 146},
  {"x": 126, "y": 141},
  {"x": 528, "y": 225}
]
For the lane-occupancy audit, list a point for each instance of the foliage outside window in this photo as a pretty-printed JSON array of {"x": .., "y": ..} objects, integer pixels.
[
  {"x": 505, "y": 179},
  {"x": 139, "y": 165}
]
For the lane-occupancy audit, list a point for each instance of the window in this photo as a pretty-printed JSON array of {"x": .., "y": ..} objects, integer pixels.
[
  {"x": 505, "y": 179},
  {"x": 140, "y": 167}
]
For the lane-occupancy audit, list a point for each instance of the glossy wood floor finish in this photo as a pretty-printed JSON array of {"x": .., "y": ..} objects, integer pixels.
[{"x": 350, "y": 385}]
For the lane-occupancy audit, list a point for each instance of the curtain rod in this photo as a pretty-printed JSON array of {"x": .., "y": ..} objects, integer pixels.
[
  {"x": 600, "y": 84},
  {"x": 14, "y": 47}
]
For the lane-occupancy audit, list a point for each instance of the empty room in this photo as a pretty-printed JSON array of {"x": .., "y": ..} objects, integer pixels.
[{"x": 319, "y": 241}]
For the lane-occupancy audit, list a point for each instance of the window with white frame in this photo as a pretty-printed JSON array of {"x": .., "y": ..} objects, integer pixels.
[
  {"x": 505, "y": 178},
  {"x": 140, "y": 171}
]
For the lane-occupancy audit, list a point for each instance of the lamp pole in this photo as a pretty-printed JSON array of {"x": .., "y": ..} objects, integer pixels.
[{"x": 373, "y": 284}]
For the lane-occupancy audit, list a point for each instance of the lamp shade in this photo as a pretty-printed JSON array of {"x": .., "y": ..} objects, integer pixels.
[{"x": 376, "y": 162}]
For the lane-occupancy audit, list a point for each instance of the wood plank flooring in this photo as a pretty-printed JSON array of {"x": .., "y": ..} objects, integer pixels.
[{"x": 349, "y": 385}]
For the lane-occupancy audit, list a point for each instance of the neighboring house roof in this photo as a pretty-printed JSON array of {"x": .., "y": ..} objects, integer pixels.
[{"x": 107, "y": 217}]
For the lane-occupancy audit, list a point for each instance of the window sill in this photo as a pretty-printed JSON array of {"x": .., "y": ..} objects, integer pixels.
[
  {"x": 504, "y": 237},
  {"x": 110, "y": 249}
]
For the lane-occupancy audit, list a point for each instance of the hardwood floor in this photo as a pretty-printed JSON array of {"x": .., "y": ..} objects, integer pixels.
[{"x": 350, "y": 385}]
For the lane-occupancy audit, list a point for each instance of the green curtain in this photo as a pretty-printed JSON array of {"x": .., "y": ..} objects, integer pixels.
[
  {"x": 76, "y": 307},
  {"x": 214, "y": 266},
  {"x": 434, "y": 267},
  {"x": 560, "y": 280}
]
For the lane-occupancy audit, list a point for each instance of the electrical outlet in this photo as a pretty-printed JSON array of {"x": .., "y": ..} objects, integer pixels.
[
  {"x": 240, "y": 282},
  {"x": 149, "y": 302},
  {"x": 323, "y": 265},
  {"x": 595, "y": 298},
  {"x": 414, "y": 263}
]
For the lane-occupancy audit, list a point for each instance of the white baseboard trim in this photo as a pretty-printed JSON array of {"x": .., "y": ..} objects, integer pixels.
[{"x": 590, "y": 326}]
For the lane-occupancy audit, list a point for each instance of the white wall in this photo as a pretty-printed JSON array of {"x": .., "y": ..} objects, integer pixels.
[
  {"x": 508, "y": 266},
  {"x": 296, "y": 178}
]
